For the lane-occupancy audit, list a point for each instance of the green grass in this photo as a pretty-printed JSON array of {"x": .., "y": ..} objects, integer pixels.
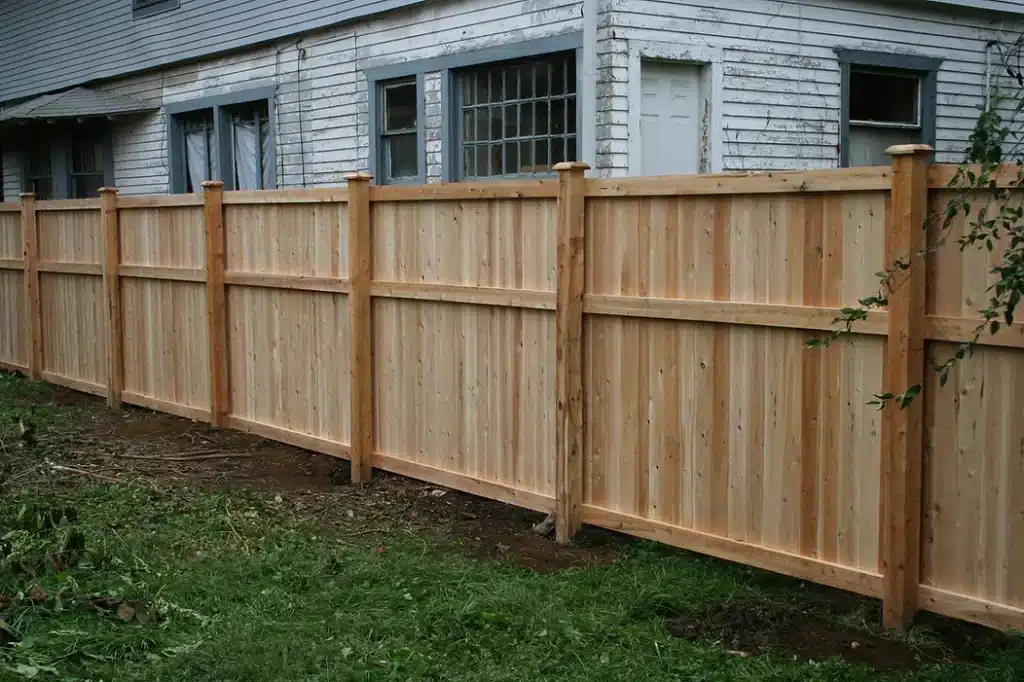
[{"x": 251, "y": 591}]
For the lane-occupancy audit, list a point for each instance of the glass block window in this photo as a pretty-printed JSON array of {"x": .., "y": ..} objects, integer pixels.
[
  {"x": 517, "y": 119},
  {"x": 398, "y": 126}
]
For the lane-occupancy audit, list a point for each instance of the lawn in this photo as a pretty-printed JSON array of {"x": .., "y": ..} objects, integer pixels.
[{"x": 224, "y": 569}]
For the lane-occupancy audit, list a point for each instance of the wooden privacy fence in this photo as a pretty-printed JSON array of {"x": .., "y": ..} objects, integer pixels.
[{"x": 624, "y": 353}]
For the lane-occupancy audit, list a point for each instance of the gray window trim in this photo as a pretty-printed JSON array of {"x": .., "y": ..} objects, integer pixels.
[
  {"x": 447, "y": 65},
  {"x": 142, "y": 9},
  {"x": 220, "y": 105},
  {"x": 60, "y": 161},
  {"x": 376, "y": 158},
  {"x": 926, "y": 67}
]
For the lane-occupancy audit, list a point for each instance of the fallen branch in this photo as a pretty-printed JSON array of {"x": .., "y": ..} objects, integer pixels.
[
  {"x": 185, "y": 458},
  {"x": 83, "y": 472}
]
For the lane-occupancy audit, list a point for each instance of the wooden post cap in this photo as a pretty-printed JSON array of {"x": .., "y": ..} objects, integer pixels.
[
  {"x": 212, "y": 184},
  {"x": 358, "y": 177},
  {"x": 571, "y": 165},
  {"x": 908, "y": 149},
  {"x": 108, "y": 190}
]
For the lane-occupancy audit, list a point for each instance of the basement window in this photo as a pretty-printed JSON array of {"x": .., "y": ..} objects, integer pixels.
[{"x": 39, "y": 171}]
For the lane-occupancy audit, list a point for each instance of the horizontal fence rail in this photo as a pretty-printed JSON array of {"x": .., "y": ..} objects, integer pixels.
[{"x": 627, "y": 353}]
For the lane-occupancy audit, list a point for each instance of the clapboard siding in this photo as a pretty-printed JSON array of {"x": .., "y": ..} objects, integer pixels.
[
  {"x": 321, "y": 88},
  {"x": 51, "y": 44},
  {"x": 780, "y": 74},
  {"x": 779, "y": 95}
]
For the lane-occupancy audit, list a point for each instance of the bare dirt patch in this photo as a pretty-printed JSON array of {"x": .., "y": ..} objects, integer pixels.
[
  {"x": 812, "y": 632},
  {"x": 135, "y": 445}
]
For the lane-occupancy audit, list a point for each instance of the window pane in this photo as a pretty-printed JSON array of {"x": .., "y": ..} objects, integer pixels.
[
  {"x": 558, "y": 116},
  {"x": 540, "y": 150},
  {"x": 467, "y": 91},
  {"x": 496, "y": 124},
  {"x": 85, "y": 186},
  {"x": 496, "y": 160},
  {"x": 467, "y": 162},
  {"x": 482, "y": 94},
  {"x": 249, "y": 146},
  {"x": 526, "y": 119},
  {"x": 557, "y": 150},
  {"x": 526, "y": 81},
  {"x": 495, "y": 85},
  {"x": 511, "y": 84},
  {"x": 558, "y": 78},
  {"x": 468, "y": 126},
  {"x": 542, "y": 79},
  {"x": 511, "y": 121},
  {"x": 868, "y": 144},
  {"x": 570, "y": 154},
  {"x": 511, "y": 157},
  {"x": 37, "y": 161},
  {"x": 541, "y": 118},
  {"x": 482, "y": 124},
  {"x": 570, "y": 84},
  {"x": 570, "y": 114},
  {"x": 400, "y": 107},
  {"x": 526, "y": 156},
  {"x": 86, "y": 155},
  {"x": 401, "y": 156},
  {"x": 41, "y": 187},
  {"x": 884, "y": 97},
  {"x": 481, "y": 161}
]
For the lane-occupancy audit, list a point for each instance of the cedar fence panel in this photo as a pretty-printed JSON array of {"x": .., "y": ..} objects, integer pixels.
[
  {"x": 13, "y": 323},
  {"x": 449, "y": 333}
]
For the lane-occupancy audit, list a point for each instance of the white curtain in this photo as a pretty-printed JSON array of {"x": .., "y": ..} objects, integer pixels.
[
  {"x": 197, "y": 154},
  {"x": 248, "y": 174}
]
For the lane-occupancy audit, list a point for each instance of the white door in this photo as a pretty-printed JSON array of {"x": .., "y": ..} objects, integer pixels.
[{"x": 669, "y": 118}]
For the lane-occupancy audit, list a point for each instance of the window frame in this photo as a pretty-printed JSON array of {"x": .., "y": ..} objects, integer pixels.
[
  {"x": 146, "y": 8},
  {"x": 59, "y": 139},
  {"x": 378, "y": 132},
  {"x": 222, "y": 107},
  {"x": 925, "y": 68},
  {"x": 447, "y": 66},
  {"x": 459, "y": 105}
]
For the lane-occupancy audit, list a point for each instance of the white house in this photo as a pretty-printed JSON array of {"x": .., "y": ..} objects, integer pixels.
[{"x": 155, "y": 95}]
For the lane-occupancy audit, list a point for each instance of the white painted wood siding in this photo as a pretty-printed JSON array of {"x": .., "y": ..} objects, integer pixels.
[
  {"x": 780, "y": 74},
  {"x": 321, "y": 76}
]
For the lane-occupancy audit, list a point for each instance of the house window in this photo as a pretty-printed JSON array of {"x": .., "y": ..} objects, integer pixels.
[
  {"x": 145, "y": 8},
  {"x": 517, "y": 118},
  {"x": 39, "y": 171},
  {"x": 87, "y": 169},
  {"x": 228, "y": 138},
  {"x": 399, "y": 148},
  {"x": 251, "y": 155},
  {"x": 887, "y": 100},
  {"x": 199, "y": 149}
]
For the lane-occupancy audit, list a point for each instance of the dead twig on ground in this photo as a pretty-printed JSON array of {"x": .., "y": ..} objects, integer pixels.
[
  {"x": 83, "y": 472},
  {"x": 184, "y": 457}
]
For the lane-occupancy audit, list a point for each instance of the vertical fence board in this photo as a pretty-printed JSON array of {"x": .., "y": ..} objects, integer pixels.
[
  {"x": 216, "y": 303},
  {"x": 360, "y": 322},
  {"x": 112, "y": 287}
]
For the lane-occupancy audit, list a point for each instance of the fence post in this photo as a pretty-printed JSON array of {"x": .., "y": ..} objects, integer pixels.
[
  {"x": 360, "y": 324},
  {"x": 112, "y": 287},
  {"x": 30, "y": 246},
  {"x": 216, "y": 305},
  {"x": 569, "y": 351},
  {"x": 901, "y": 454}
]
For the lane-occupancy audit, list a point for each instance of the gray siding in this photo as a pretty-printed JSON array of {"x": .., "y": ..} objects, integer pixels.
[
  {"x": 780, "y": 82},
  {"x": 52, "y": 44}
]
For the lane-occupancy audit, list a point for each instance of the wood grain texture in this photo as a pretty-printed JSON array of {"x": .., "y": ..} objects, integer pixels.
[
  {"x": 71, "y": 236},
  {"x": 30, "y": 281},
  {"x": 467, "y": 389},
  {"x": 74, "y": 334},
  {"x": 216, "y": 301},
  {"x": 10, "y": 236},
  {"x": 360, "y": 327},
  {"x": 112, "y": 289},
  {"x": 569, "y": 352},
  {"x": 288, "y": 356},
  {"x": 492, "y": 243},
  {"x": 170, "y": 237},
  {"x": 288, "y": 239},
  {"x": 166, "y": 355},
  {"x": 901, "y": 452},
  {"x": 732, "y": 430},
  {"x": 973, "y": 525},
  {"x": 13, "y": 318}
]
